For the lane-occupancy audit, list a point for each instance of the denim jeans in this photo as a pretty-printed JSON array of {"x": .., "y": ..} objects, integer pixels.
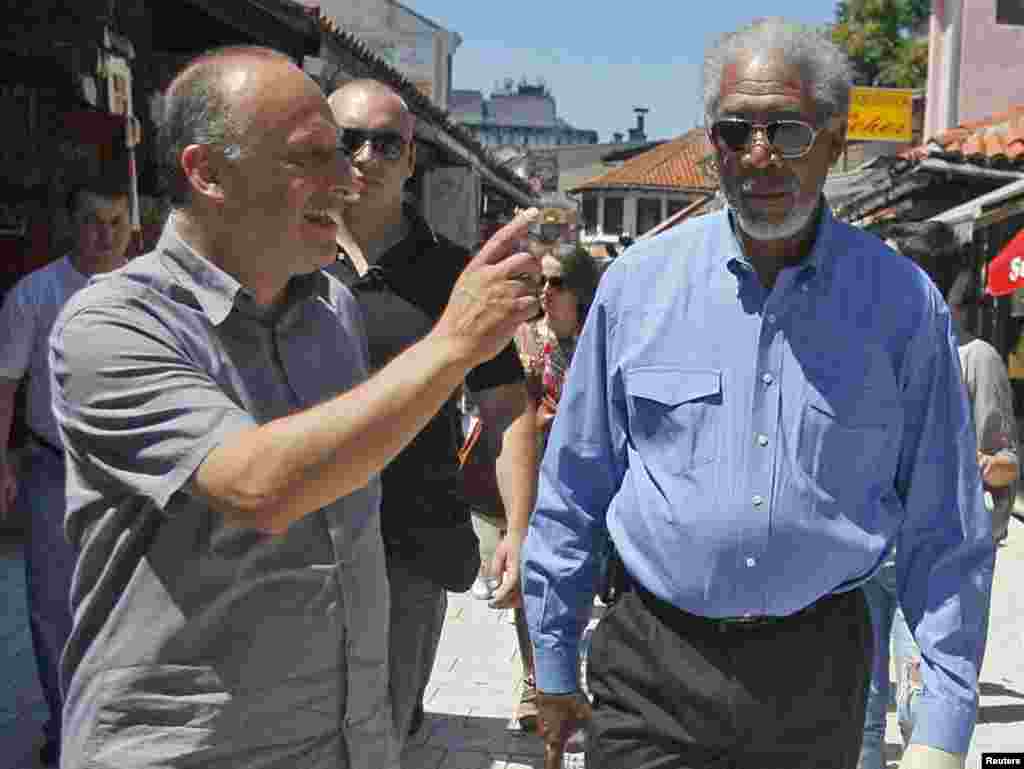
[
  {"x": 49, "y": 564},
  {"x": 880, "y": 592},
  {"x": 908, "y": 658},
  {"x": 889, "y": 625}
]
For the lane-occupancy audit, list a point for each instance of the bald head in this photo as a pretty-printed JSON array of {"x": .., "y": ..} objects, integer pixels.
[
  {"x": 214, "y": 99},
  {"x": 371, "y": 104}
]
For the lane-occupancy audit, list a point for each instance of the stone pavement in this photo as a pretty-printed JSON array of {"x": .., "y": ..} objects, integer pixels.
[
  {"x": 470, "y": 701},
  {"x": 22, "y": 708},
  {"x": 472, "y": 694},
  {"x": 1001, "y": 711}
]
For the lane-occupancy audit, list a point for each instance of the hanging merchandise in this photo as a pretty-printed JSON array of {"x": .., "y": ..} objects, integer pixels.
[{"x": 119, "y": 93}]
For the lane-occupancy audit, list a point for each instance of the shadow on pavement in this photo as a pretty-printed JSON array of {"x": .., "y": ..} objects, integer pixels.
[
  {"x": 1001, "y": 714},
  {"x": 472, "y": 742},
  {"x": 987, "y": 689}
]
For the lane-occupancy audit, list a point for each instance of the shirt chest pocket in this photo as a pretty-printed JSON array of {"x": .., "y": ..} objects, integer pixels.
[
  {"x": 843, "y": 443},
  {"x": 675, "y": 416}
]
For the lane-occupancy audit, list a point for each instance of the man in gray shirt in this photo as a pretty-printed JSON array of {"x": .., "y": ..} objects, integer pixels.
[
  {"x": 230, "y": 598},
  {"x": 102, "y": 226},
  {"x": 991, "y": 398}
]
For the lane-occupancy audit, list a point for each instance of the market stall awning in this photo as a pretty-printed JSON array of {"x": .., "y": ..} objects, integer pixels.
[{"x": 1005, "y": 273}]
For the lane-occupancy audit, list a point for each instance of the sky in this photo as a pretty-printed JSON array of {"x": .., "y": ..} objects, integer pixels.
[{"x": 601, "y": 59}]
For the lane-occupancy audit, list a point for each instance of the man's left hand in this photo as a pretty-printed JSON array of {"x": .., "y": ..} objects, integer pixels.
[
  {"x": 926, "y": 757},
  {"x": 506, "y": 565}
]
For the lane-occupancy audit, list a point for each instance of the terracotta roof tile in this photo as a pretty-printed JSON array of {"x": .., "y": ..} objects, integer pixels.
[
  {"x": 1015, "y": 131},
  {"x": 995, "y": 148},
  {"x": 680, "y": 163},
  {"x": 997, "y": 140},
  {"x": 974, "y": 147}
]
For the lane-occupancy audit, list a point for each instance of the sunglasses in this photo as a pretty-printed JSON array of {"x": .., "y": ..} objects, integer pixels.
[
  {"x": 385, "y": 144},
  {"x": 790, "y": 138},
  {"x": 557, "y": 282}
]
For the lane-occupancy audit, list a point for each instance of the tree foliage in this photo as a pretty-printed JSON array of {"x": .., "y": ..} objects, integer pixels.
[{"x": 881, "y": 39}]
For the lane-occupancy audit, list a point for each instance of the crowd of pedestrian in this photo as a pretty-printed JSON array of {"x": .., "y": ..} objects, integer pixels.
[{"x": 764, "y": 432}]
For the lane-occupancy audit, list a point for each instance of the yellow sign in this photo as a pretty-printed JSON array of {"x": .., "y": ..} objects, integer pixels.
[
  {"x": 1015, "y": 364},
  {"x": 880, "y": 114}
]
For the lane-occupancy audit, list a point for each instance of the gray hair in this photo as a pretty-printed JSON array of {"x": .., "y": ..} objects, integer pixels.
[
  {"x": 821, "y": 63},
  {"x": 199, "y": 109}
]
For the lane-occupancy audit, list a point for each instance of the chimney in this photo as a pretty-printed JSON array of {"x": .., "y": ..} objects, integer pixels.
[
  {"x": 617, "y": 137},
  {"x": 637, "y": 134}
]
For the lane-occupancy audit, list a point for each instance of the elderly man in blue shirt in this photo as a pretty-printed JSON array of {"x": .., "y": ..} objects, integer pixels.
[{"x": 762, "y": 402}]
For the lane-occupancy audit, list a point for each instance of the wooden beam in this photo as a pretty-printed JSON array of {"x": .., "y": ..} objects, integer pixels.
[{"x": 261, "y": 20}]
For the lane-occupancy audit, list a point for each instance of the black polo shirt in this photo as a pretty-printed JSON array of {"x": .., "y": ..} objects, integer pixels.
[{"x": 402, "y": 297}]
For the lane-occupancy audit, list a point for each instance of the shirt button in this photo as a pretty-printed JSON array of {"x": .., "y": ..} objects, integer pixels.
[
  {"x": 804, "y": 287},
  {"x": 771, "y": 318},
  {"x": 751, "y": 563},
  {"x": 758, "y": 500},
  {"x": 762, "y": 440},
  {"x": 767, "y": 378}
]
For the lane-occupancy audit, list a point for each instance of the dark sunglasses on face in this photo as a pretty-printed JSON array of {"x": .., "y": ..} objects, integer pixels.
[
  {"x": 790, "y": 138},
  {"x": 385, "y": 144}
]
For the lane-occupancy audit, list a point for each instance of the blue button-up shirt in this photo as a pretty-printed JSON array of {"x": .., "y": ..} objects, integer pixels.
[{"x": 751, "y": 450}]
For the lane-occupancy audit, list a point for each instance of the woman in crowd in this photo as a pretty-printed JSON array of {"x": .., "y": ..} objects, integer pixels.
[
  {"x": 570, "y": 277},
  {"x": 569, "y": 281}
]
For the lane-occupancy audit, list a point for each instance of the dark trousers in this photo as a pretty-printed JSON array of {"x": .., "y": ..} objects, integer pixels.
[{"x": 676, "y": 691}]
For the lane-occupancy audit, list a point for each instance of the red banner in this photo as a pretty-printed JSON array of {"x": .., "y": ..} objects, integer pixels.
[{"x": 1006, "y": 271}]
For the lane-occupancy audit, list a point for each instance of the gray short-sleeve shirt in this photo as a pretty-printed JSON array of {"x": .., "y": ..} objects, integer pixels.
[
  {"x": 26, "y": 318},
  {"x": 197, "y": 643},
  {"x": 995, "y": 428}
]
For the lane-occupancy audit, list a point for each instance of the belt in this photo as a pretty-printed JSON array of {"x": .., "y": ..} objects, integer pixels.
[{"x": 674, "y": 614}]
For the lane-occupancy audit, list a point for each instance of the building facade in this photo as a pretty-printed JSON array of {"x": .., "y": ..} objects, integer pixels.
[
  {"x": 974, "y": 64},
  {"x": 412, "y": 44},
  {"x": 522, "y": 115}
]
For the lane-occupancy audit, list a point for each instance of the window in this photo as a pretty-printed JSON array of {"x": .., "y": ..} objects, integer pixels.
[
  {"x": 589, "y": 213},
  {"x": 613, "y": 214},
  {"x": 1010, "y": 12},
  {"x": 648, "y": 214}
]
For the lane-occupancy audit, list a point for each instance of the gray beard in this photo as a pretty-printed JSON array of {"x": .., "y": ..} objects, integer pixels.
[{"x": 791, "y": 226}]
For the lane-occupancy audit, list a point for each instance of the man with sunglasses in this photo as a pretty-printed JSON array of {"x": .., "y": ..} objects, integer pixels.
[
  {"x": 402, "y": 274},
  {"x": 762, "y": 401}
]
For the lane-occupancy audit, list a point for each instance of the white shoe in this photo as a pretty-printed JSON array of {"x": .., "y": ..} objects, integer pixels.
[{"x": 484, "y": 587}]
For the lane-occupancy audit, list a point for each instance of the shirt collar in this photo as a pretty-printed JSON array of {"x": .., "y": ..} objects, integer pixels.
[
  {"x": 817, "y": 265},
  {"x": 420, "y": 238},
  {"x": 217, "y": 292}
]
